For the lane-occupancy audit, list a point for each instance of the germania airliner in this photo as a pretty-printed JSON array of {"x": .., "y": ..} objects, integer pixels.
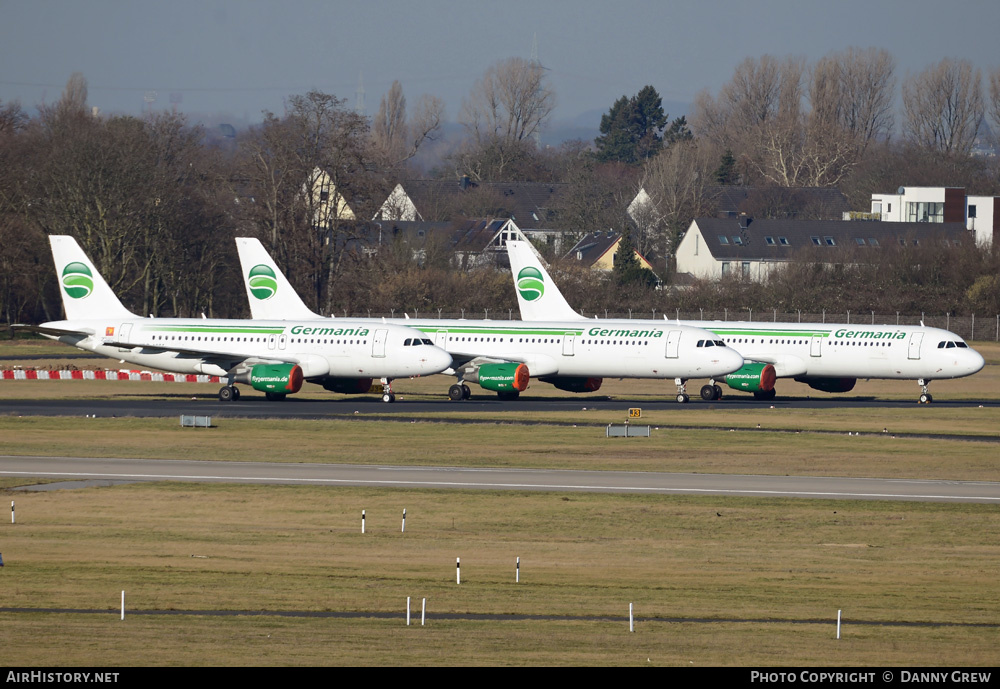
[
  {"x": 824, "y": 356},
  {"x": 502, "y": 356},
  {"x": 274, "y": 357}
]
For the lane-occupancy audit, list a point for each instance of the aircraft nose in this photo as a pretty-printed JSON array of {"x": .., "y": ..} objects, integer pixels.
[
  {"x": 436, "y": 359},
  {"x": 974, "y": 361}
]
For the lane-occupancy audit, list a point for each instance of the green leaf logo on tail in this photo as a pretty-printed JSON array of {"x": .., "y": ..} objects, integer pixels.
[
  {"x": 77, "y": 280},
  {"x": 262, "y": 282},
  {"x": 530, "y": 284}
]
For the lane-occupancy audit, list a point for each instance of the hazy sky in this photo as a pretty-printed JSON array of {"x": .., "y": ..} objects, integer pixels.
[{"x": 240, "y": 57}]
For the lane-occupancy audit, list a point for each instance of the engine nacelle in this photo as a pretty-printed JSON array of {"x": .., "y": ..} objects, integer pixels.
[
  {"x": 281, "y": 379},
  {"x": 573, "y": 383},
  {"x": 829, "y": 384},
  {"x": 501, "y": 377},
  {"x": 348, "y": 386},
  {"x": 752, "y": 378}
]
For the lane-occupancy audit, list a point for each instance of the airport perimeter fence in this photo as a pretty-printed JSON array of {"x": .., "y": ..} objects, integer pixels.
[{"x": 969, "y": 327}]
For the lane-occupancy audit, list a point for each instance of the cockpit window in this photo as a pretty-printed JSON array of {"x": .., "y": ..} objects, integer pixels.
[
  {"x": 961, "y": 344},
  {"x": 720, "y": 343}
]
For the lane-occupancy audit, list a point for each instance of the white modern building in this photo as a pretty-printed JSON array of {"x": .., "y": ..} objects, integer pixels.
[{"x": 980, "y": 214}]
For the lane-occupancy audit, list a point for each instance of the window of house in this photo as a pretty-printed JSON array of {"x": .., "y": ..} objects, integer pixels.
[
  {"x": 924, "y": 211},
  {"x": 829, "y": 241},
  {"x": 783, "y": 241},
  {"x": 972, "y": 210},
  {"x": 725, "y": 268},
  {"x": 769, "y": 241},
  {"x": 723, "y": 239},
  {"x": 816, "y": 241},
  {"x": 873, "y": 241},
  {"x": 737, "y": 240},
  {"x": 860, "y": 241}
]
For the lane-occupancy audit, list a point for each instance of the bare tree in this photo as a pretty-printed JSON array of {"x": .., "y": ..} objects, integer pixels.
[
  {"x": 944, "y": 106},
  {"x": 994, "y": 106},
  {"x": 397, "y": 139},
  {"x": 676, "y": 181},
  {"x": 507, "y": 106},
  {"x": 853, "y": 91}
]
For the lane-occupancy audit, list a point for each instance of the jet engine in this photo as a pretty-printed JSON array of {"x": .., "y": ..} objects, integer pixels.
[
  {"x": 752, "y": 378},
  {"x": 573, "y": 383}
]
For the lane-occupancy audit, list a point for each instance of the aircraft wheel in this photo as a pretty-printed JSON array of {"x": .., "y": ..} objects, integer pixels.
[
  {"x": 226, "y": 394},
  {"x": 388, "y": 398},
  {"x": 466, "y": 392},
  {"x": 455, "y": 393},
  {"x": 718, "y": 392},
  {"x": 925, "y": 399},
  {"x": 708, "y": 392},
  {"x": 683, "y": 398},
  {"x": 236, "y": 393}
]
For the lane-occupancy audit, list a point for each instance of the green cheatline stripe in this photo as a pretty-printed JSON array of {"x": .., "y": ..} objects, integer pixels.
[
  {"x": 471, "y": 330},
  {"x": 251, "y": 329},
  {"x": 771, "y": 332}
]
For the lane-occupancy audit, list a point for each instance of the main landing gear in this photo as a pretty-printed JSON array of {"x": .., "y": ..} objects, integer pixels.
[
  {"x": 925, "y": 397},
  {"x": 711, "y": 391},
  {"x": 387, "y": 396},
  {"x": 682, "y": 396},
  {"x": 229, "y": 393},
  {"x": 459, "y": 391}
]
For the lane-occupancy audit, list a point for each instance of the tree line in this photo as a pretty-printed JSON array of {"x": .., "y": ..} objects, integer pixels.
[{"x": 156, "y": 201}]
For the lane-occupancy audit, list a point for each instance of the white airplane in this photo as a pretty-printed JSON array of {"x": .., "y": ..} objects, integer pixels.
[
  {"x": 502, "y": 355},
  {"x": 824, "y": 356},
  {"x": 274, "y": 357}
]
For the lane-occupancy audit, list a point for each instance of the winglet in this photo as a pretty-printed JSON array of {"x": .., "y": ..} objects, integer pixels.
[
  {"x": 538, "y": 297},
  {"x": 85, "y": 294},
  {"x": 270, "y": 294}
]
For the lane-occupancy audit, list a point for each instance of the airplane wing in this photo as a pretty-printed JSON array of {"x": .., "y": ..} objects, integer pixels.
[
  {"x": 84, "y": 332},
  {"x": 538, "y": 364},
  {"x": 312, "y": 365},
  {"x": 785, "y": 365}
]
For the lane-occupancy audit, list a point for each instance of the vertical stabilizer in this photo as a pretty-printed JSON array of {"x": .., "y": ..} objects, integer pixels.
[
  {"x": 85, "y": 294},
  {"x": 537, "y": 296},
  {"x": 270, "y": 294}
]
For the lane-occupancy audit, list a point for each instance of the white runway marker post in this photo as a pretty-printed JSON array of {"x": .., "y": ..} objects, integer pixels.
[
  {"x": 517, "y": 571},
  {"x": 362, "y": 521},
  {"x": 423, "y": 611},
  {"x": 838, "y": 624},
  {"x": 407, "y": 611},
  {"x": 123, "y": 604},
  {"x": 403, "y": 530},
  {"x": 458, "y": 570},
  {"x": 11, "y": 511},
  {"x": 631, "y": 620}
]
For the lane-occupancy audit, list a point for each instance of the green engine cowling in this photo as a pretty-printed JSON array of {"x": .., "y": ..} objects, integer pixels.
[
  {"x": 502, "y": 377},
  {"x": 752, "y": 378},
  {"x": 348, "y": 386},
  {"x": 573, "y": 383},
  {"x": 829, "y": 384},
  {"x": 281, "y": 379}
]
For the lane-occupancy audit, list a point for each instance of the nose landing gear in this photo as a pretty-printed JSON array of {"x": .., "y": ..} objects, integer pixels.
[{"x": 925, "y": 397}]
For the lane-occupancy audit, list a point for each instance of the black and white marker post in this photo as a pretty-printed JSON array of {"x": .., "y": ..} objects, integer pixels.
[{"x": 362, "y": 521}]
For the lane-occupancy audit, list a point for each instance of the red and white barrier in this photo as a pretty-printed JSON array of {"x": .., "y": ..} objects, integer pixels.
[{"x": 35, "y": 374}]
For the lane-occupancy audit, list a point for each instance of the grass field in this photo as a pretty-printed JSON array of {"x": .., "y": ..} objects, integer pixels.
[{"x": 714, "y": 581}]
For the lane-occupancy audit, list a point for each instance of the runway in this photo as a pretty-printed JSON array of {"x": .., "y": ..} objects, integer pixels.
[
  {"x": 388, "y": 476},
  {"x": 254, "y": 406}
]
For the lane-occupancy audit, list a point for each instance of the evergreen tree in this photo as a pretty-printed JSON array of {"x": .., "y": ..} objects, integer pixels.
[
  {"x": 633, "y": 129},
  {"x": 726, "y": 172},
  {"x": 627, "y": 269}
]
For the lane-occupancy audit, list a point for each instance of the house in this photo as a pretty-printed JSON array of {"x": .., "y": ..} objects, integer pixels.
[
  {"x": 532, "y": 205},
  {"x": 981, "y": 214},
  {"x": 598, "y": 250},
  {"x": 327, "y": 203},
  {"x": 470, "y": 243},
  {"x": 814, "y": 203},
  {"x": 717, "y": 247}
]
